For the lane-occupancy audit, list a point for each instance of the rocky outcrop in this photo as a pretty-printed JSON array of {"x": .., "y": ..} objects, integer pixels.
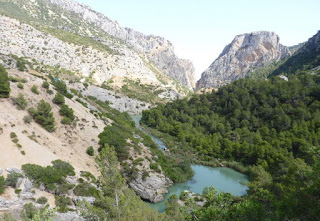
[
  {"x": 152, "y": 188},
  {"x": 245, "y": 53}
]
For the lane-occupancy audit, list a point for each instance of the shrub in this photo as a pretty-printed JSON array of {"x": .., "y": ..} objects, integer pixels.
[
  {"x": 85, "y": 189},
  {"x": 45, "y": 84},
  {"x": 20, "y": 85},
  {"x": 28, "y": 212},
  {"x": 90, "y": 151},
  {"x": 66, "y": 120},
  {"x": 13, "y": 135},
  {"x": 62, "y": 203},
  {"x": 20, "y": 101},
  {"x": 58, "y": 99},
  {"x": 49, "y": 175},
  {"x": 67, "y": 112},
  {"x": 27, "y": 119},
  {"x": 145, "y": 174},
  {"x": 64, "y": 188},
  {"x": 43, "y": 115},
  {"x": 2, "y": 184},
  {"x": 61, "y": 87},
  {"x": 4, "y": 83},
  {"x": 42, "y": 200},
  {"x": 12, "y": 179},
  {"x": 34, "y": 89},
  {"x": 23, "y": 152}
]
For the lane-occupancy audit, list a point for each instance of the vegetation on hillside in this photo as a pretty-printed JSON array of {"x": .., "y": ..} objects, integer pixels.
[
  {"x": 270, "y": 126},
  {"x": 4, "y": 83},
  {"x": 43, "y": 115}
]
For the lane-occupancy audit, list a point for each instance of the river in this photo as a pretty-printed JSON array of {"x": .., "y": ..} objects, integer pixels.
[{"x": 222, "y": 178}]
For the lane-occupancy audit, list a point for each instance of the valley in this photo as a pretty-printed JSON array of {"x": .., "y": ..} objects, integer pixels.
[{"x": 102, "y": 122}]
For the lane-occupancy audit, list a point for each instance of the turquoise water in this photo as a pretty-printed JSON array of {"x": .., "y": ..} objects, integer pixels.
[
  {"x": 136, "y": 119},
  {"x": 222, "y": 178}
]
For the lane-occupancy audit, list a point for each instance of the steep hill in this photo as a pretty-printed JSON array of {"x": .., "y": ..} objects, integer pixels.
[
  {"x": 305, "y": 58},
  {"x": 245, "y": 53},
  {"x": 74, "y": 37}
]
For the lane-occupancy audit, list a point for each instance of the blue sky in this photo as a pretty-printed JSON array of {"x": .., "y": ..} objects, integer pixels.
[{"x": 200, "y": 29}]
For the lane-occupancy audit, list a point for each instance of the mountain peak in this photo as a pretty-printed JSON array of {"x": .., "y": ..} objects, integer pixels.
[{"x": 244, "y": 53}]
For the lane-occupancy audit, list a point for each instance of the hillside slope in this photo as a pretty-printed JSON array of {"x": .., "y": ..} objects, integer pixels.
[{"x": 68, "y": 20}]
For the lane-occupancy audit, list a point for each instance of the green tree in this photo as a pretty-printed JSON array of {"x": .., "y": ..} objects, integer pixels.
[
  {"x": 58, "y": 99},
  {"x": 44, "y": 116},
  {"x": 4, "y": 83}
]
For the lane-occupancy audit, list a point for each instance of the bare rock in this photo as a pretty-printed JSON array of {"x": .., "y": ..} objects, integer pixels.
[
  {"x": 1, "y": 171},
  {"x": 245, "y": 53},
  {"x": 13, "y": 170},
  {"x": 19, "y": 182},
  {"x": 27, "y": 185},
  {"x": 69, "y": 216},
  {"x": 152, "y": 188}
]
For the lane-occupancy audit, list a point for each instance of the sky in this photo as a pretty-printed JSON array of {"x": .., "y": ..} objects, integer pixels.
[{"x": 200, "y": 29}]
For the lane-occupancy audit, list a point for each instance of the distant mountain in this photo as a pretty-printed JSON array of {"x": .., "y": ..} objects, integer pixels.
[
  {"x": 118, "y": 52},
  {"x": 244, "y": 54},
  {"x": 306, "y": 57}
]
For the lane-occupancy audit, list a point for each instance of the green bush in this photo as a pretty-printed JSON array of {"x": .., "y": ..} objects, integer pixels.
[
  {"x": 145, "y": 174},
  {"x": 58, "y": 99},
  {"x": 90, "y": 151},
  {"x": 28, "y": 212},
  {"x": 20, "y": 101},
  {"x": 42, "y": 200},
  {"x": 66, "y": 120},
  {"x": 43, "y": 115},
  {"x": 2, "y": 184},
  {"x": 34, "y": 89},
  {"x": 12, "y": 179},
  {"x": 49, "y": 175},
  {"x": 85, "y": 189},
  {"x": 67, "y": 112},
  {"x": 4, "y": 83},
  {"x": 13, "y": 135},
  {"x": 20, "y": 85},
  {"x": 62, "y": 203},
  {"x": 45, "y": 84}
]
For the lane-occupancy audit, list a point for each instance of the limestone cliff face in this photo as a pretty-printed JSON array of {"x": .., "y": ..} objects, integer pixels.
[
  {"x": 244, "y": 53},
  {"x": 159, "y": 50}
]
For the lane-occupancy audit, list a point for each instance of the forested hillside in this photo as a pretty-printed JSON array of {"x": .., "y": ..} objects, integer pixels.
[{"x": 271, "y": 126}]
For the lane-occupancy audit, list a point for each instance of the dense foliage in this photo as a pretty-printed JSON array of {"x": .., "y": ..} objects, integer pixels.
[
  {"x": 43, "y": 115},
  {"x": 50, "y": 175},
  {"x": 67, "y": 113},
  {"x": 271, "y": 126},
  {"x": 123, "y": 128},
  {"x": 4, "y": 83}
]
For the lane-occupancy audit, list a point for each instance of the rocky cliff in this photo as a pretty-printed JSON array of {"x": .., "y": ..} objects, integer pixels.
[
  {"x": 245, "y": 53},
  {"x": 73, "y": 17}
]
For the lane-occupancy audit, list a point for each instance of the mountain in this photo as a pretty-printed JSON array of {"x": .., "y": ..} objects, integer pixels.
[
  {"x": 245, "y": 53},
  {"x": 75, "y": 37},
  {"x": 305, "y": 58}
]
